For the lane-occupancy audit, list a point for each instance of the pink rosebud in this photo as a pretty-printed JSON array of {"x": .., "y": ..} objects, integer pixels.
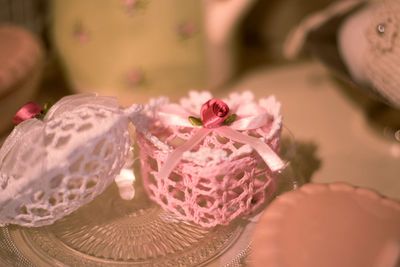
[
  {"x": 213, "y": 113},
  {"x": 26, "y": 112}
]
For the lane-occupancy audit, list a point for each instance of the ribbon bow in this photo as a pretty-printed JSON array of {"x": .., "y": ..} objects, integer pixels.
[{"x": 215, "y": 117}]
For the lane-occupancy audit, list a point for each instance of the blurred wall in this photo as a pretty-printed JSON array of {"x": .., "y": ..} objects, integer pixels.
[
  {"x": 30, "y": 14},
  {"x": 267, "y": 25}
]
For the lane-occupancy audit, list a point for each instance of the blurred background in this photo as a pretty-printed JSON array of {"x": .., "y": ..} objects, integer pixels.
[{"x": 136, "y": 49}]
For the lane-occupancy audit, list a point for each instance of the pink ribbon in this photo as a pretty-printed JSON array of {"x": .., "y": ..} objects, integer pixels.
[{"x": 175, "y": 115}]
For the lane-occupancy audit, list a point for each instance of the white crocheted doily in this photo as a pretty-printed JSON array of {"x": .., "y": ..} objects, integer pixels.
[{"x": 50, "y": 168}]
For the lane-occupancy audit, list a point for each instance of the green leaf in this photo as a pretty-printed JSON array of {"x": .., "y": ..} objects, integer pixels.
[
  {"x": 45, "y": 109},
  {"x": 231, "y": 118},
  {"x": 195, "y": 121}
]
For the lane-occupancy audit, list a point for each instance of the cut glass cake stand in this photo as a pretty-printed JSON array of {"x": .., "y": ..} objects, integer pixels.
[{"x": 111, "y": 231}]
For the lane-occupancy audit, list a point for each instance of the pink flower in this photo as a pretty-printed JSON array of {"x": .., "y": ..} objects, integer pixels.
[
  {"x": 26, "y": 112},
  {"x": 136, "y": 77},
  {"x": 213, "y": 113},
  {"x": 186, "y": 29},
  {"x": 80, "y": 33}
]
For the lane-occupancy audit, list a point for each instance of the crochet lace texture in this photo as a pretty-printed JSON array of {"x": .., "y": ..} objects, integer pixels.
[
  {"x": 219, "y": 180},
  {"x": 52, "y": 167},
  {"x": 383, "y": 58}
]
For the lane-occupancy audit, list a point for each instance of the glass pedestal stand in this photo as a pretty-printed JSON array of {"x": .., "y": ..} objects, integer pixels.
[{"x": 111, "y": 231}]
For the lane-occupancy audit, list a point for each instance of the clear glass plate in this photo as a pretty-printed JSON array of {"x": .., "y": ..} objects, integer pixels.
[{"x": 113, "y": 232}]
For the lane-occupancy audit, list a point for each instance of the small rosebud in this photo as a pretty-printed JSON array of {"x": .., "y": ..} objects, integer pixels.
[
  {"x": 28, "y": 111},
  {"x": 213, "y": 113}
]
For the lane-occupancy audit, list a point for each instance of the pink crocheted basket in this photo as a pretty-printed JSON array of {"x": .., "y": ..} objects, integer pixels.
[{"x": 220, "y": 179}]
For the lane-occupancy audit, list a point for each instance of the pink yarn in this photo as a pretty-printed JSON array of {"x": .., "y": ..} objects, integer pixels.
[{"x": 219, "y": 180}]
